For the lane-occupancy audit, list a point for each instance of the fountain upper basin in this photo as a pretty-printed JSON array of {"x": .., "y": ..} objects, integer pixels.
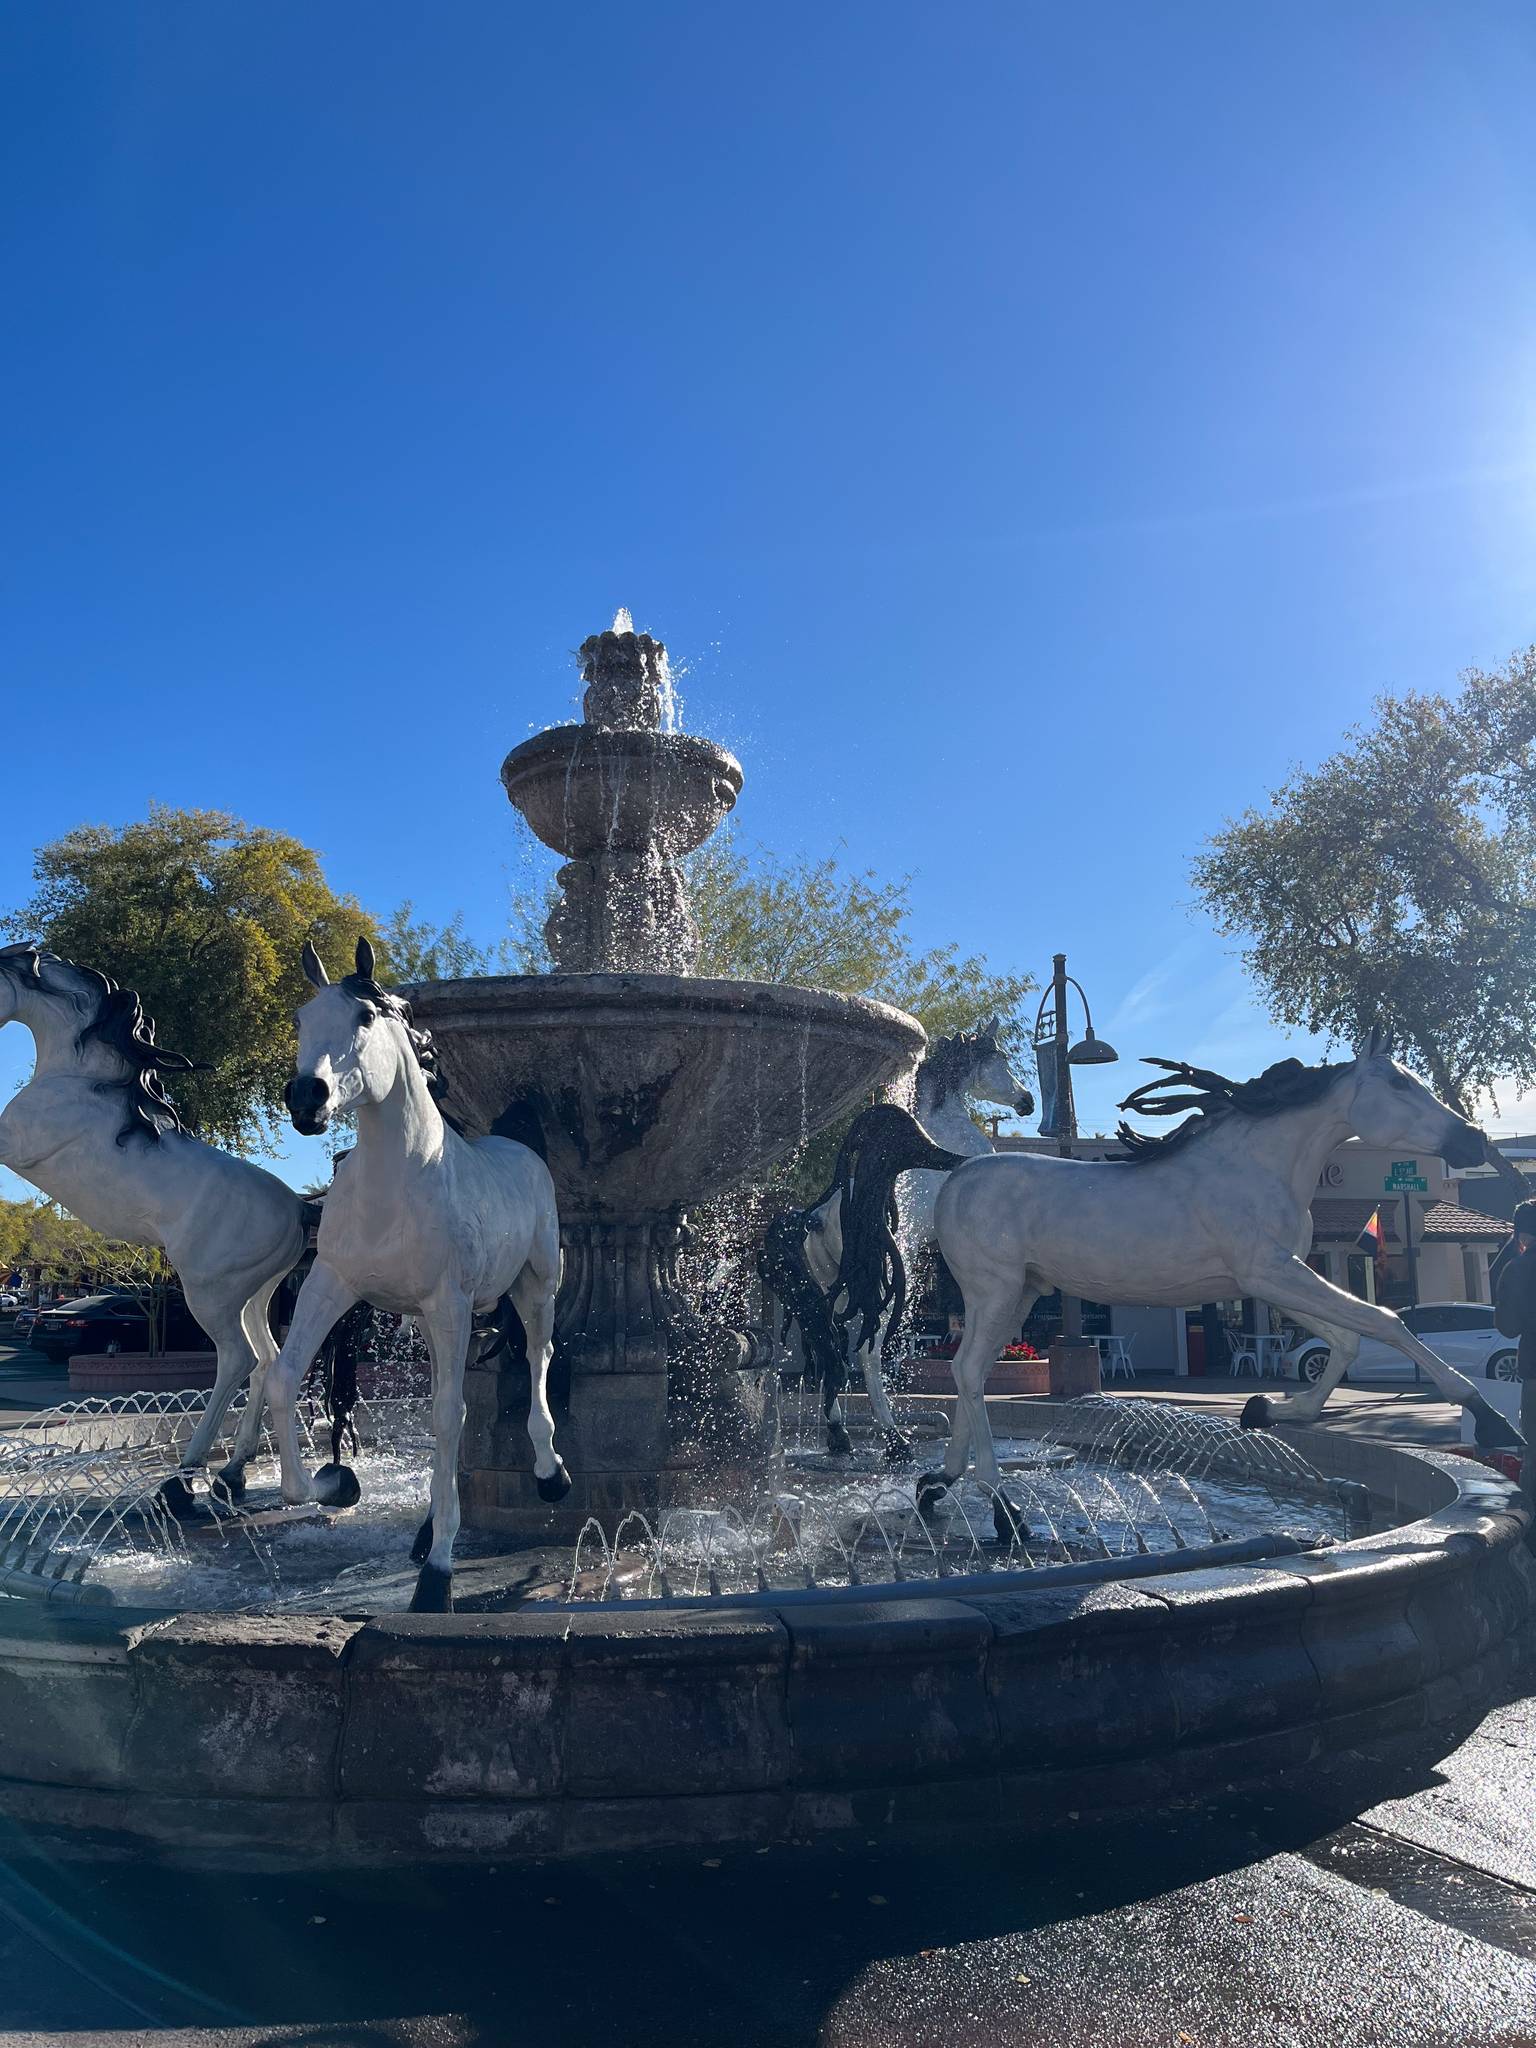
[
  {"x": 651, "y": 1090},
  {"x": 586, "y": 790}
]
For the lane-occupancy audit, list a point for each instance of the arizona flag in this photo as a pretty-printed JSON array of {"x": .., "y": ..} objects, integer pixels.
[{"x": 1372, "y": 1237}]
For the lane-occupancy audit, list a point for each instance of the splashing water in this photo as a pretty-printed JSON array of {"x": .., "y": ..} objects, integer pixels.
[
  {"x": 81, "y": 1516},
  {"x": 622, "y": 622}
]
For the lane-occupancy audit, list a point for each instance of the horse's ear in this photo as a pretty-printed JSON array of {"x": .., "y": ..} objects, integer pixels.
[
  {"x": 365, "y": 959},
  {"x": 1376, "y": 1040},
  {"x": 314, "y": 966}
]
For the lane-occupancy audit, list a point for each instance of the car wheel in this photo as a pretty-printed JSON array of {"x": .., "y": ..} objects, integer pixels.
[
  {"x": 1312, "y": 1366},
  {"x": 1504, "y": 1365}
]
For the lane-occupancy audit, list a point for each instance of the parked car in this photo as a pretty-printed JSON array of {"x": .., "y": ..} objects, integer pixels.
[
  {"x": 25, "y": 1318},
  {"x": 1460, "y": 1332},
  {"x": 96, "y": 1321}
]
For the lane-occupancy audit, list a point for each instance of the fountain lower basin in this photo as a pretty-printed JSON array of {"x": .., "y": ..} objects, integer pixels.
[{"x": 294, "y": 1738}]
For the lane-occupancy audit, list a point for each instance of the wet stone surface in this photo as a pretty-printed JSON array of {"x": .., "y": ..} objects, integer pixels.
[{"x": 1353, "y": 1910}]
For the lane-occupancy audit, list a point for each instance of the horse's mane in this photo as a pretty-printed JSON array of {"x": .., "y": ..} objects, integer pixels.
[
  {"x": 118, "y": 1022},
  {"x": 366, "y": 990},
  {"x": 1213, "y": 1098},
  {"x": 948, "y": 1060}
]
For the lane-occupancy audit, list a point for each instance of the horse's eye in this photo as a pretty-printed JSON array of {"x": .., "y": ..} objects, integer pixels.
[{"x": 366, "y": 1016}]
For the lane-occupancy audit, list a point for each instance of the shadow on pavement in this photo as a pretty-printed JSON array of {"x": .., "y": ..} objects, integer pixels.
[{"x": 1197, "y": 1923}]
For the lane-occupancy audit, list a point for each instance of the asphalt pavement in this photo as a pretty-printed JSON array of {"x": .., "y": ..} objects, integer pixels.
[{"x": 1389, "y": 1900}]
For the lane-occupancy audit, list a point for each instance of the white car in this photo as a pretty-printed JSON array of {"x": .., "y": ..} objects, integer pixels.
[{"x": 1460, "y": 1332}]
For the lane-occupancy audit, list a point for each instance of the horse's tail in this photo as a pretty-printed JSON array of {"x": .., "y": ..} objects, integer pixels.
[
  {"x": 882, "y": 1143},
  {"x": 786, "y": 1274}
]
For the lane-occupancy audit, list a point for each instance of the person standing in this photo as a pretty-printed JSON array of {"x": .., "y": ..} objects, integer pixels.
[{"x": 1514, "y": 1296}]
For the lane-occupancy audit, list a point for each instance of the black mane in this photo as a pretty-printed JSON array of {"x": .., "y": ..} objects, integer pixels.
[
  {"x": 118, "y": 1022},
  {"x": 1212, "y": 1097}
]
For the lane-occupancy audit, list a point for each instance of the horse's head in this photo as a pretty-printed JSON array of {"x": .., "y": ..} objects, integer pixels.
[
  {"x": 350, "y": 1043},
  {"x": 1390, "y": 1108},
  {"x": 992, "y": 1079},
  {"x": 17, "y": 963}
]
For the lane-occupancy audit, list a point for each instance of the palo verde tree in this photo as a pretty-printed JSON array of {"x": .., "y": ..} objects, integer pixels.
[{"x": 1396, "y": 883}]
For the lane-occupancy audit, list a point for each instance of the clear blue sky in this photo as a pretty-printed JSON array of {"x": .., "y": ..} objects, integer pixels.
[{"x": 1032, "y": 428}]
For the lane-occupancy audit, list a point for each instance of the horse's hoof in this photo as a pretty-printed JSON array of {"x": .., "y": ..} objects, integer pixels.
[
  {"x": 898, "y": 1451},
  {"x": 930, "y": 1491},
  {"x": 556, "y": 1486},
  {"x": 839, "y": 1443},
  {"x": 423, "y": 1542},
  {"x": 1256, "y": 1413},
  {"x": 178, "y": 1500},
  {"x": 231, "y": 1482},
  {"x": 336, "y": 1487},
  {"x": 1495, "y": 1432},
  {"x": 1008, "y": 1521},
  {"x": 434, "y": 1591}
]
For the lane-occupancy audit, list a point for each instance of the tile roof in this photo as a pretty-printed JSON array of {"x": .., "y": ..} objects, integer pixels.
[
  {"x": 1345, "y": 1216},
  {"x": 1450, "y": 1219}
]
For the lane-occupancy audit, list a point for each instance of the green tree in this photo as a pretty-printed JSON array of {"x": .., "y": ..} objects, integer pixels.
[
  {"x": 205, "y": 916},
  {"x": 1396, "y": 883},
  {"x": 823, "y": 925},
  {"x": 416, "y": 950}
]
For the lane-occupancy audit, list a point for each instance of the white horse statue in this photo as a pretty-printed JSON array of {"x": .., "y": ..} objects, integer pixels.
[
  {"x": 95, "y": 1130},
  {"x": 803, "y": 1249},
  {"x": 1216, "y": 1209},
  {"x": 421, "y": 1222}
]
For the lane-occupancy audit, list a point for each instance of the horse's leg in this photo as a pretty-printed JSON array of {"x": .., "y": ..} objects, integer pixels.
[
  {"x": 839, "y": 1443},
  {"x": 323, "y": 1300},
  {"x": 220, "y": 1319},
  {"x": 449, "y": 1323},
  {"x": 258, "y": 1330},
  {"x": 533, "y": 1296},
  {"x": 1289, "y": 1283},
  {"x": 898, "y": 1446},
  {"x": 994, "y": 1306},
  {"x": 1306, "y": 1404}
]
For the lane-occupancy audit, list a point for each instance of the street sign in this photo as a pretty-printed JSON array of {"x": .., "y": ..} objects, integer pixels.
[{"x": 1405, "y": 1179}]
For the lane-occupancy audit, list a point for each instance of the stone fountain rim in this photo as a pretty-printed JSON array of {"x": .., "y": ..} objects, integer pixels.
[
  {"x": 276, "y": 1740},
  {"x": 547, "y": 748},
  {"x": 751, "y": 1001}
]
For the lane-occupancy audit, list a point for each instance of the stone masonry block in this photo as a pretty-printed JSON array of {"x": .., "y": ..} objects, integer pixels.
[
  {"x": 890, "y": 1690},
  {"x": 239, "y": 1706},
  {"x": 676, "y": 1703},
  {"x": 456, "y": 1707}
]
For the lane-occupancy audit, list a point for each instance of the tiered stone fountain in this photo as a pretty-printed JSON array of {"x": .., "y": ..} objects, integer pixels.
[{"x": 648, "y": 1089}]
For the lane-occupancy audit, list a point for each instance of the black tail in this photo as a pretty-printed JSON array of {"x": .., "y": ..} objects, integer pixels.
[
  {"x": 783, "y": 1269},
  {"x": 882, "y": 1143}
]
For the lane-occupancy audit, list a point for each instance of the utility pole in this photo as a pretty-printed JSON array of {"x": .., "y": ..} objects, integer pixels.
[{"x": 1066, "y": 1124}]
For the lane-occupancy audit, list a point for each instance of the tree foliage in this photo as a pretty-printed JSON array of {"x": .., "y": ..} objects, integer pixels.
[
  {"x": 1396, "y": 883},
  {"x": 417, "y": 950},
  {"x": 205, "y": 916}
]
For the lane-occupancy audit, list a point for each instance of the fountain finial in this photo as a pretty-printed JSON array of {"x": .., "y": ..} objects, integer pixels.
[{"x": 626, "y": 677}]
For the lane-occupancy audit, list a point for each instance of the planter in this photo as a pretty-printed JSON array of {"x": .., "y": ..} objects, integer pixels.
[
  {"x": 1008, "y": 1376},
  {"x": 135, "y": 1372}
]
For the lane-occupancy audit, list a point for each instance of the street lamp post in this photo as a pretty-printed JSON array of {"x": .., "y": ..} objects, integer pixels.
[{"x": 1070, "y": 1368}]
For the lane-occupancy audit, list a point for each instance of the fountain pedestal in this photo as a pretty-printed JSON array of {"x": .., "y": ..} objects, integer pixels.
[{"x": 646, "y": 1089}]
